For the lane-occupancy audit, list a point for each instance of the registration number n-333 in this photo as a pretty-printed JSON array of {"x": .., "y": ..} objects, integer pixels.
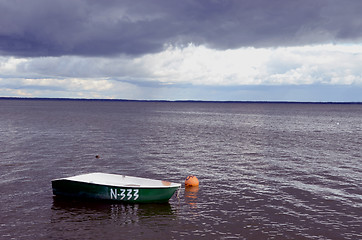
[{"x": 124, "y": 194}]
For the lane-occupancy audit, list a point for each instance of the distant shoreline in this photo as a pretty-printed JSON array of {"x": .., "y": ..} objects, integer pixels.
[{"x": 182, "y": 101}]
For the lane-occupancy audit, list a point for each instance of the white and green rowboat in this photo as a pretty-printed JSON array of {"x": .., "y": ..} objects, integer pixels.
[{"x": 115, "y": 187}]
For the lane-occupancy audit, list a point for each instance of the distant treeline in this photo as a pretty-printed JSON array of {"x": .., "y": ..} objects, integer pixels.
[{"x": 184, "y": 101}]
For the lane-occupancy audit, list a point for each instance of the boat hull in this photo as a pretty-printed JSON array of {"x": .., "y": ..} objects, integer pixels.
[{"x": 69, "y": 188}]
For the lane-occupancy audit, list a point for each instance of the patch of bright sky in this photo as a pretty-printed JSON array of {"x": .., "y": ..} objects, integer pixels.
[
  {"x": 328, "y": 64},
  {"x": 175, "y": 67}
]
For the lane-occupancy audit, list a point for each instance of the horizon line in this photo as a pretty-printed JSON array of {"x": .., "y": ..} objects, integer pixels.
[{"x": 145, "y": 100}]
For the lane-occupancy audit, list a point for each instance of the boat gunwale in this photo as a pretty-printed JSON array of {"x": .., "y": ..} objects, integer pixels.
[
  {"x": 176, "y": 185},
  {"x": 127, "y": 185}
]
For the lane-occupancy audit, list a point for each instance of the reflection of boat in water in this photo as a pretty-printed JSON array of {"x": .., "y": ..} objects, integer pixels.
[
  {"x": 191, "y": 194},
  {"x": 74, "y": 218},
  {"x": 115, "y": 187},
  {"x": 79, "y": 210}
]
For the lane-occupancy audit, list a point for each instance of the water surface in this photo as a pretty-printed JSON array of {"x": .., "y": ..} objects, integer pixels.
[{"x": 266, "y": 170}]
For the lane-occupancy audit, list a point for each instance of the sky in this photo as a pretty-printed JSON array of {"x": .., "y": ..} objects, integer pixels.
[{"x": 211, "y": 50}]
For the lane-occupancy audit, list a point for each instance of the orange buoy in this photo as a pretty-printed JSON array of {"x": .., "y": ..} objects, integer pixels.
[{"x": 191, "y": 181}]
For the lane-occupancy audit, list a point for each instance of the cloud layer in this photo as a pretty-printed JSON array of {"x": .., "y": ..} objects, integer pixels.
[
  {"x": 94, "y": 28},
  {"x": 192, "y": 72},
  {"x": 301, "y": 50}
]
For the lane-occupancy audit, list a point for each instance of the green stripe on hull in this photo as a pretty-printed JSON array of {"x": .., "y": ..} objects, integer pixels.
[{"x": 124, "y": 194}]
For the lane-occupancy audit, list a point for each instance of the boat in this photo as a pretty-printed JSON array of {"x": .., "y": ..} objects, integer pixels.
[{"x": 115, "y": 187}]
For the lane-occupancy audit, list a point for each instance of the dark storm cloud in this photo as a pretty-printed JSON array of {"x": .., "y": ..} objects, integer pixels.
[{"x": 103, "y": 28}]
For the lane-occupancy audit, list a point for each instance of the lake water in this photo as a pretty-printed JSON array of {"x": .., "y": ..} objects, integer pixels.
[{"x": 266, "y": 170}]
